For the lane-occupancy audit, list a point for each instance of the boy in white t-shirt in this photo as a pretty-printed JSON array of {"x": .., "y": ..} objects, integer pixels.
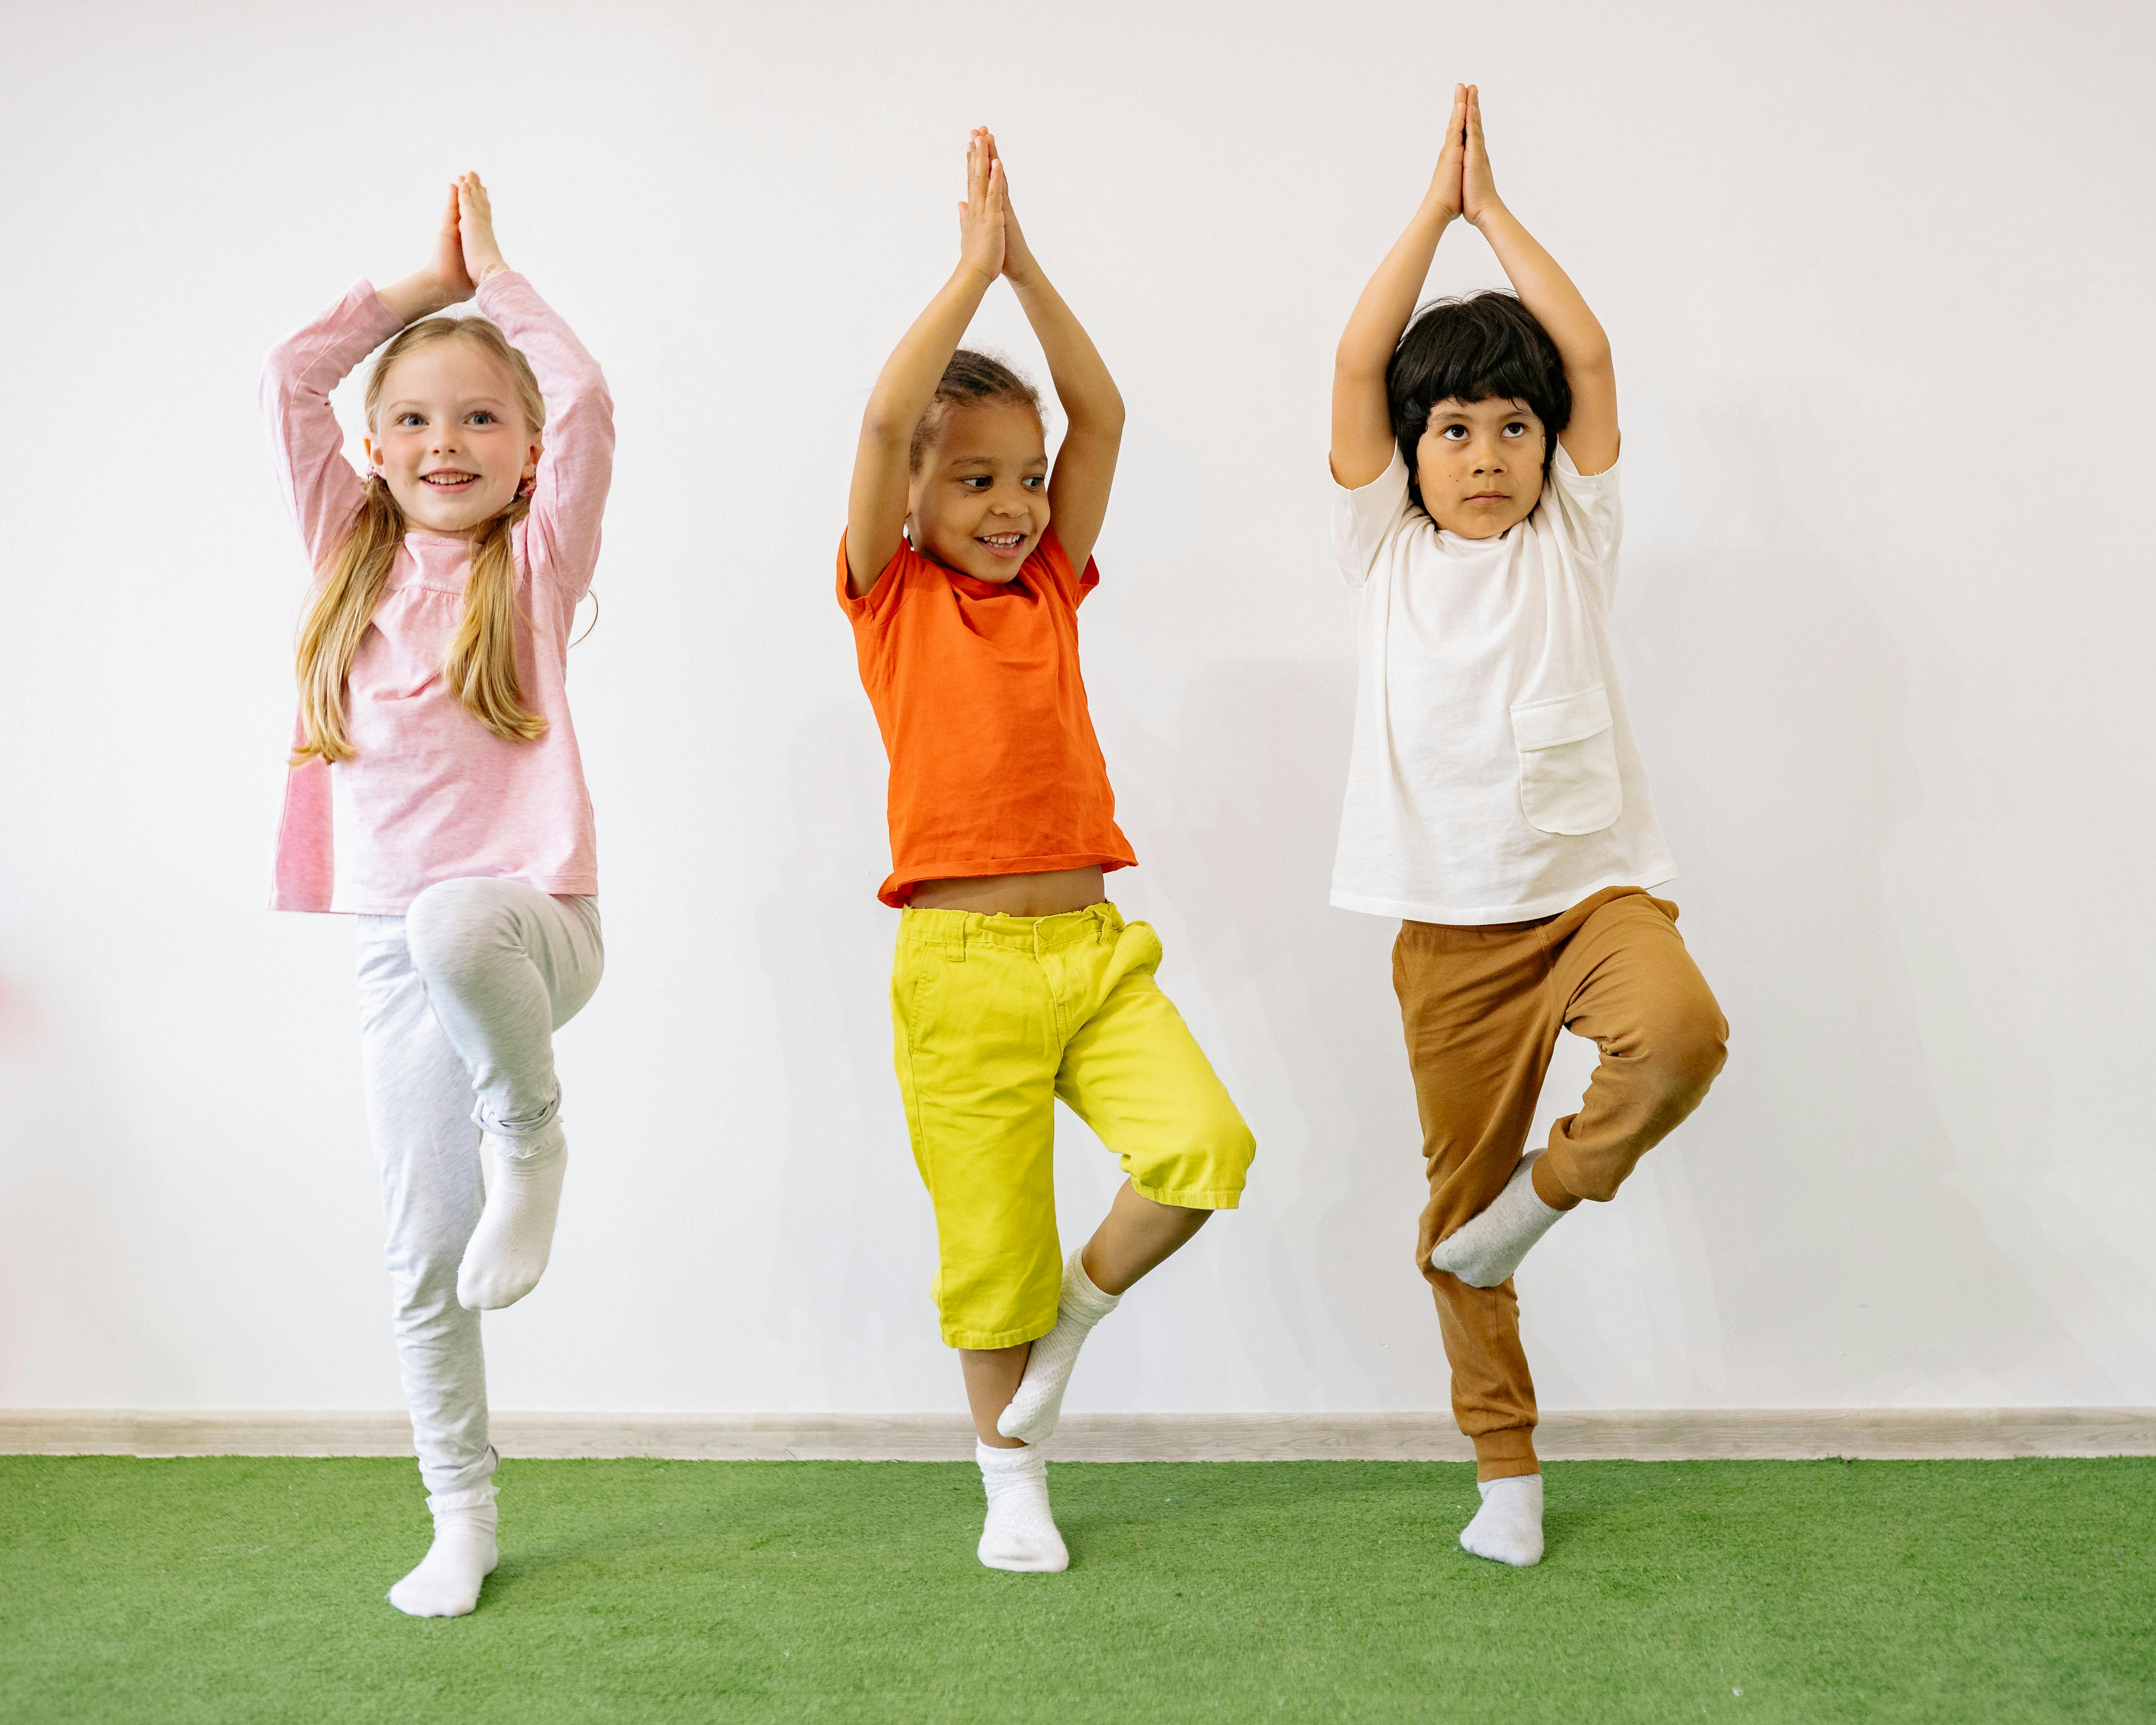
[{"x": 1496, "y": 801}]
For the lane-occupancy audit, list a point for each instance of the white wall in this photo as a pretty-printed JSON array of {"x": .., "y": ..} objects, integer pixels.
[{"x": 1878, "y": 282}]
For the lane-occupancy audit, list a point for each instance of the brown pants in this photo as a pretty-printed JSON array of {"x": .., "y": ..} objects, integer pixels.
[{"x": 1482, "y": 1007}]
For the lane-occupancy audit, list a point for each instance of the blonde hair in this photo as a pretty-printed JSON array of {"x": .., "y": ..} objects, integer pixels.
[{"x": 481, "y": 662}]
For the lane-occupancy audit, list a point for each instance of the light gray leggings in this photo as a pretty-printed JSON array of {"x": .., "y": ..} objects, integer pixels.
[{"x": 458, "y": 1002}]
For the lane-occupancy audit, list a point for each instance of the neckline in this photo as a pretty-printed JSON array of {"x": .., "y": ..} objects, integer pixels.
[{"x": 1450, "y": 540}]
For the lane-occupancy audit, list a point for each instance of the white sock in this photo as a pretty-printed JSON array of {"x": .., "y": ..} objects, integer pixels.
[
  {"x": 1033, "y": 1412},
  {"x": 507, "y": 1253},
  {"x": 1020, "y": 1532},
  {"x": 1489, "y": 1246},
  {"x": 1508, "y": 1528},
  {"x": 447, "y": 1582}
]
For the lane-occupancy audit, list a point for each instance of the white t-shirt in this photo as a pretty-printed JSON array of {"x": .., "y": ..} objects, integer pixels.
[{"x": 1494, "y": 776}]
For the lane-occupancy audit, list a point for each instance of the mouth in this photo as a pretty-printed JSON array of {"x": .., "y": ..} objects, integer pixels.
[
  {"x": 448, "y": 479},
  {"x": 1488, "y": 497},
  {"x": 1001, "y": 545}
]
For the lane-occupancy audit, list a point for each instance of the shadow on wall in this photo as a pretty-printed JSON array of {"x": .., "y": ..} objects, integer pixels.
[
  {"x": 1238, "y": 811},
  {"x": 1820, "y": 1180}
]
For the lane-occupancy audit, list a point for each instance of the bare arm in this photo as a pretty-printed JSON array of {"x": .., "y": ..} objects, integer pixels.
[
  {"x": 1591, "y": 440},
  {"x": 1092, "y": 405},
  {"x": 1361, "y": 418},
  {"x": 875, "y": 506}
]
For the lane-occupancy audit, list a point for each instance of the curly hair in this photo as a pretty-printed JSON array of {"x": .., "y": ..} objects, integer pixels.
[{"x": 969, "y": 379}]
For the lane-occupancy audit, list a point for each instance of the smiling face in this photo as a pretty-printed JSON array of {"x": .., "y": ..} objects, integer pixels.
[
  {"x": 449, "y": 437},
  {"x": 978, "y": 501},
  {"x": 1479, "y": 465}
]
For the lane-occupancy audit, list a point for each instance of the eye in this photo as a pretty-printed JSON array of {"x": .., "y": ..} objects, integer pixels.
[
  {"x": 482, "y": 417},
  {"x": 1455, "y": 433},
  {"x": 1517, "y": 428},
  {"x": 411, "y": 419},
  {"x": 976, "y": 482},
  {"x": 1037, "y": 482}
]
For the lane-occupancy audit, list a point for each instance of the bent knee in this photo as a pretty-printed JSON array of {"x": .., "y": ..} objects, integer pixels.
[
  {"x": 1208, "y": 1171},
  {"x": 1223, "y": 1139},
  {"x": 1688, "y": 1052}
]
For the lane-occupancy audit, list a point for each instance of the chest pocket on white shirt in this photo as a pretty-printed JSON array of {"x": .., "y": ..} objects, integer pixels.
[{"x": 1569, "y": 780}]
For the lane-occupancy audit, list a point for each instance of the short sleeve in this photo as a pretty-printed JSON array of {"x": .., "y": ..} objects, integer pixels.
[
  {"x": 873, "y": 609},
  {"x": 1365, "y": 519},
  {"x": 1589, "y": 506},
  {"x": 1073, "y": 585}
]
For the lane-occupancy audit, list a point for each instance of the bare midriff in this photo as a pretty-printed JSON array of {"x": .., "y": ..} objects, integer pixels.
[{"x": 1049, "y": 895}]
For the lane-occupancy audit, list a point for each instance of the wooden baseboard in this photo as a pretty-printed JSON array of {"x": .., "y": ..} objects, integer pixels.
[{"x": 1673, "y": 1434}]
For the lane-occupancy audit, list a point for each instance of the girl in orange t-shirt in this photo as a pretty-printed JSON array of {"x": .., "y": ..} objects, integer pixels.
[{"x": 1016, "y": 982}]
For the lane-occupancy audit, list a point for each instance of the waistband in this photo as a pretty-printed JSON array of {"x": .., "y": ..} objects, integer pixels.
[{"x": 954, "y": 931}]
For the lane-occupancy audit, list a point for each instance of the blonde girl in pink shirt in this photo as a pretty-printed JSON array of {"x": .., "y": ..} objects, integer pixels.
[{"x": 435, "y": 793}]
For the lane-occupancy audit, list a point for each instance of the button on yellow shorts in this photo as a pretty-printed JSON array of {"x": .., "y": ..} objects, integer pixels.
[{"x": 995, "y": 1017}]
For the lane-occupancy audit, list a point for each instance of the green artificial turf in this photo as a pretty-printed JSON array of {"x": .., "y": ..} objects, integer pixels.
[{"x": 234, "y": 1590}]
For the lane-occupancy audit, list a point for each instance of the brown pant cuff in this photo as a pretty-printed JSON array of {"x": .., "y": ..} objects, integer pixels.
[
  {"x": 1502, "y": 1455},
  {"x": 1548, "y": 1187}
]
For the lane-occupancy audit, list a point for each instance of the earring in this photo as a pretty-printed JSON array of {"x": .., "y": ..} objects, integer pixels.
[{"x": 528, "y": 486}]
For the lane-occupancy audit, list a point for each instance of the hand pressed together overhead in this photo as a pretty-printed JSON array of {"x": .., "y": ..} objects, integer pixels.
[
  {"x": 1479, "y": 460},
  {"x": 963, "y": 471},
  {"x": 452, "y": 435}
]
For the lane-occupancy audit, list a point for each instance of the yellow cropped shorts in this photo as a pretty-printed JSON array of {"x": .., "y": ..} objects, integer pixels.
[{"x": 995, "y": 1018}]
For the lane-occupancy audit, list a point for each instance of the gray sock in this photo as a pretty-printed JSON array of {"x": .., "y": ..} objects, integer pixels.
[{"x": 1489, "y": 1247}]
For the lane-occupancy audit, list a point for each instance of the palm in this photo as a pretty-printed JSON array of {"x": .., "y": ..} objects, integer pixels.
[
  {"x": 981, "y": 216},
  {"x": 1018, "y": 256},
  {"x": 1445, "y": 182},
  {"x": 1478, "y": 190},
  {"x": 475, "y": 228},
  {"x": 981, "y": 238},
  {"x": 446, "y": 262}
]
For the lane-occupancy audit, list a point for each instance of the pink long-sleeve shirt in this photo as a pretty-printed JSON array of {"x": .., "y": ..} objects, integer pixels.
[{"x": 433, "y": 794}]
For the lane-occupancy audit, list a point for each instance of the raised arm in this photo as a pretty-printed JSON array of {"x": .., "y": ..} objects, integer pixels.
[
  {"x": 1085, "y": 468},
  {"x": 1591, "y": 438},
  {"x": 876, "y": 506},
  {"x": 319, "y": 485},
  {"x": 576, "y": 468},
  {"x": 1361, "y": 418}
]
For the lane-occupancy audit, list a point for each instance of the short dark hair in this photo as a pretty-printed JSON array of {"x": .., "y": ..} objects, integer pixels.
[
  {"x": 1485, "y": 346},
  {"x": 970, "y": 378}
]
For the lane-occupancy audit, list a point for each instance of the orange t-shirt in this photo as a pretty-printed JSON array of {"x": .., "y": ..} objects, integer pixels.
[{"x": 994, "y": 768}]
